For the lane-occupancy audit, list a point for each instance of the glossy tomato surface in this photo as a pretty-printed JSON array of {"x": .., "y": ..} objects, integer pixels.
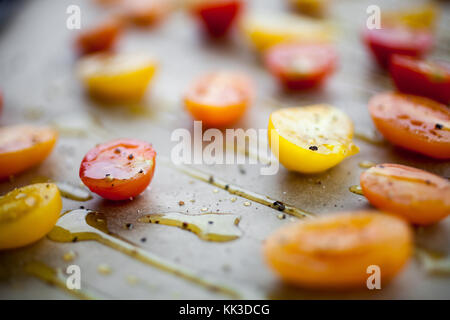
[
  {"x": 102, "y": 37},
  {"x": 219, "y": 99},
  {"x": 217, "y": 16},
  {"x": 120, "y": 169},
  {"x": 301, "y": 66},
  {"x": 385, "y": 42},
  {"x": 418, "y": 196},
  {"x": 421, "y": 77},
  {"x": 412, "y": 122}
]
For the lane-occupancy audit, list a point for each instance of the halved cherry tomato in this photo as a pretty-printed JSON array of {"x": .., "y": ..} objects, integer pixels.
[
  {"x": 117, "y": 77},
  {"x": 218, "y": 99},
  {"x": 335, "y": 251},
  {"x": 145, "y": 12},
  {"x": 217, "y": 16},
  {"x": 27, "y": 214},
  {"x": 300, "y": 66},
  {"x": 311, "y": 139},
  {"x": 412, "y": 122},
  {"x": 120, "y": 169},
  {"x": 315, "y": 8},
  {"x": 416, "y": 195},
  {"x": 267, "y": 30},
  {"x": 422, "y": 78},
  {"x": 385, "y": 42},
  {"x": 102, "y": 37},
  {"x": 24, "y": 146}
]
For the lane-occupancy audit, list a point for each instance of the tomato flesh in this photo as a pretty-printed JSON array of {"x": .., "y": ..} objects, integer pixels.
[
  {"x": 299, "y": 66},
  {"x": 24, "y": 146},
  {"x": 385, "y": 42},
  {"x": 218, "y": 99},
  {"x": 416, "y": 195},
  {"x": 420, "y": 77},
  {"x": 217, "y": 17},
  {"x": 412, "y": 122},
  {"x": 100, "y": 38},
  {"x": 120, "y": 169}
]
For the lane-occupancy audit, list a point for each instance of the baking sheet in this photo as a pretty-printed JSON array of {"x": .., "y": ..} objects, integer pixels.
[{"x": 39, "y": 83}]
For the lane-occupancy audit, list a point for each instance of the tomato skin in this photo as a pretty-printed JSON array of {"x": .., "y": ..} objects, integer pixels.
[
  {"x": 102, "y": 37},
  {"x": 385, "y": 42},
  {"x": 334, "y": 251},
  {"x": 318, "y": 59},
  {"x": 412, "y": 122},
  {"x": 217, "y": 16},
  {"x": 24, "y": 146},
  {"x": 27, "y": 214},
  {"x": 120, "y": 169},
  {"x": 218, "y": 99},
  {"x": 423, "y": 78},
  {"x": 418, "y": 196}
]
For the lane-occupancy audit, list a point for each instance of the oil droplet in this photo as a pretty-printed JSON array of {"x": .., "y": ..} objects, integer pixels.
[
  {"x": 84, "y": 225},
  {"x": 356, "y": 189},
  {"x": 281, "y": 216},
  {"x": 216, "y": 190},
  {"x": 72, "y": 192},
  {"x": 233, "y": 199},
  {"x": 236, "y": 190},
  {"x": 53, "y": 277},
  {"x": 247, "y": 204},
  {"x": 69, "y": 256},
  {"x": 366, "y": 164},
  {"x": 209, "y": 226},
  {"x": 204, "y": 209},
  {"x": 433, "y": 262},
  {"x": 103, "y": 268},
  {"x": 132, "y": 280}
]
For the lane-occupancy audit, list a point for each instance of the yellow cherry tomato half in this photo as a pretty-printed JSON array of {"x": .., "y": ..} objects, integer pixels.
[
  {"x": 335, "y": 251},
  {"x": 265, "y": 31},
  {"x": 219, "y": 99},
  {"x": 311, "y": 139},
  {"x": 27, "y": 214},
  {"x": 24, "y": 146},
  {"x": 120, "y": 77}
]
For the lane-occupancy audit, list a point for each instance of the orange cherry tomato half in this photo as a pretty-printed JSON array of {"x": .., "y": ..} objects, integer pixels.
[
  {"x": 421, "y": 77},
  {"x": 217, "y": 16},
  {"x": 120, "y": 169},
  {"x": 301, "y": 66},
  {"x": 102, "y": 37},
  {"x": 145, "y": 12},
  {"x": 335, "y": 251},
  {"x": 418, "y": 196},
  {"x": 219, "y": 99},
  {"x": 412, "y": 122},
  {"x": 385, "y": 42},
  {"x": 24, "y": 146}
]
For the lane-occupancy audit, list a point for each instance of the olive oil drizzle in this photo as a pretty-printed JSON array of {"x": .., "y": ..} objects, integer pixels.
[
  {"x": 356, "y": 189},
  {"x": 72, "y": 192},
  {"x": 54, "y": 277},
  {"x": 86, "y": 225},
  {"x": 208, "y": 226},
  {"x": 236, "y": 190},
  {"x": 370, "y": 139},
  {"x": 433, "y": 262}
]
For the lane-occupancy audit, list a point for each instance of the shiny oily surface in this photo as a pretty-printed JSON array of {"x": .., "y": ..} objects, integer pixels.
[{"x": 334, "y": 252}]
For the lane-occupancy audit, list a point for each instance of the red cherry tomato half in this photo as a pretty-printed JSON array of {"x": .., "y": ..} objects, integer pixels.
[
  {"x": 420, "y": 77},
  {"x": 119, "y": 169},
  {"x": 301, "y": 66},
  {"x": 383, "y": 43},
  {"x": 102, "y": 37},
  {"x": 217, "y": 16},
  {"x": 413, "y": 122}
]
